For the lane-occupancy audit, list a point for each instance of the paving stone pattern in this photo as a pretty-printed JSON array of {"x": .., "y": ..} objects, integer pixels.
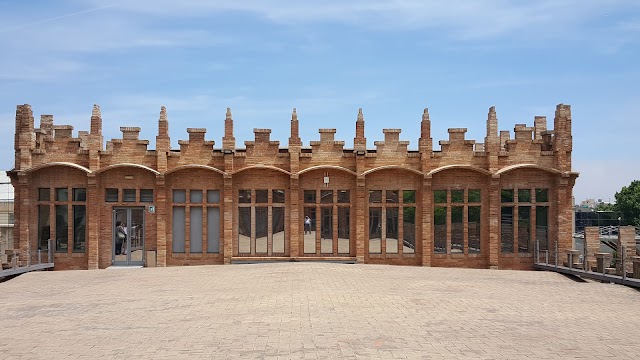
[{"x": 315, "y": 311}]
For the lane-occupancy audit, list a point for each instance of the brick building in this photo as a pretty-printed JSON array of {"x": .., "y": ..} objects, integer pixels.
[{"x": 467, "y": 205}]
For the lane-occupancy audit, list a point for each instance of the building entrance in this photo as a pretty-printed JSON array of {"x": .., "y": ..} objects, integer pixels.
[{"x": 128, "y": 236}]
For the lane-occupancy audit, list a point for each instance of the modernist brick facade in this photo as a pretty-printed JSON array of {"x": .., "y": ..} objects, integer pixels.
[{"x": 468, "y": 205}]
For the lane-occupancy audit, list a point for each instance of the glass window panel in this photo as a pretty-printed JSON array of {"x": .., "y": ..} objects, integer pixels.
[
  {"x": 111, "y": 195},
  {"x": 213, "y": 196},
  {"x": 62, "y": 228},
  {"x": 409, "y": 230},
  {"x": 262, "y": 196},
  {"x": 244, "y": 230},
  {"x": 79, "y": 228},
  {"x": 375, "y": 230},
  {"x": 524, "y": 195},
  {"x": 542, "y": 227},
  {"x": 277, "y": 196},
  {"x": 195, "y": 229},
  {"x": 474, "y": 196},
  {"x": 409, "y": 196},
  {"x": 392, "y": 196},
  {"x": 440, "y": 196},
  {"x": 195, "y": 196},
  {"x": 344, "y": 196},
  {"x": 391, "y": 231},
  {"x": 44, "y": 194},
  {"x": 146, "y": 195},
  {"x": 326, "y": 230},
  {"x": 542, "y": 195},
  {"x": 326, "y": 196},
  {"x": 262, "y": 226},
  {"x": 213, "y": 230},
  {"x": 80, "y": 194},
  {"x": 62, "y": 194},
  {"x": 457, "y": 230},
  {"x": 179, "y": 196},
  {"x": 375, "y": 196},
  {"x": 474, "y": 229},
  {"x": 440, "y": 230},
  {"x": 310, "y": 196},
  {"x": 506, "y": 229},
  {"x": 310, "y": 230},
  {"x": 457, "y": 196},
  {"x": 506, "y": 195},
  {"x": 244, "y": 196},
  {"x": 524, "y": 229},
  {"x": 277, "y": 228},
  {"x": 344, "y": 230},
  {"x": 178, "y": 229},
  {"x": 44, "y": 229},
  {"x": 129, "y": 195}
]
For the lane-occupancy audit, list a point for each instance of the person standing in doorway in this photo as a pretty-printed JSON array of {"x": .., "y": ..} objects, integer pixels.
[
  {"x": 307, "y": 225},
  {"x": 121, "y": 236}
]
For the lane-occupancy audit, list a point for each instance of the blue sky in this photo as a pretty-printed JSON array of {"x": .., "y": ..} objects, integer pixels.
[{"x": 327, "y": 59}]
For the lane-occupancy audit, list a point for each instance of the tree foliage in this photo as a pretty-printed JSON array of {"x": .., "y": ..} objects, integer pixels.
[{"x": 628, "y": 203}]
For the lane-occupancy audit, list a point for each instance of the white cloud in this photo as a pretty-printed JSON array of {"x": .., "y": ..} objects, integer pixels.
[{"x": 466, "y": 19}]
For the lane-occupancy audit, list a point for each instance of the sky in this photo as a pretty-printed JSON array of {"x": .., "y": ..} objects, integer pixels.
[{"x": 392, "y": 58}]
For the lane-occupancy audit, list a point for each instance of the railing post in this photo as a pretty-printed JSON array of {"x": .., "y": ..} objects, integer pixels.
[
  {"x": 546, "y": 257},
  {"x": 50, "y": 250},
  {"x": 624, "y": 271},
  {"x": 39, "y": 256},
  {"x": 556, "y": 259}
]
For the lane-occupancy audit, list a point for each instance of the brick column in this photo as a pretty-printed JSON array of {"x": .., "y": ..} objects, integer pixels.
[
  {"x": 592, "y": 245},
  {"x": 361, "y": 219},
  {"x": 162, "y": 214},
  {"x": 227, "y": 219},
  {"x": 93, "y": 223},
  {"x": 25, "y": 210},
  {"x": 294, "y": 217},
  {"x": 427, "y": 222},
  {"x": 565, "y": 215},
  {"x": 626, "y": 238},
  {"x": 494, "y": 222},
  {"x": 636, "y": 266}
]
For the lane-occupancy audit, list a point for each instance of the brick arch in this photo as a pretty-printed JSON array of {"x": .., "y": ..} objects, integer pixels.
[
  {"x": 195, "y": 166},
  {"x": 393, "y": 167},
  {"x": 51, "y": 164},
  {"x": 327, "y": 167},
  {"x": 261, "y": 167},
  {"x": 454, "y": 167},
  {"x": 115, "y": 166},
  {"x": 527, "y": 166}
]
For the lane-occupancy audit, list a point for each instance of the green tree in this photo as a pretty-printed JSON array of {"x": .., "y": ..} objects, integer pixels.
[
  {"x": 628, "y": 203},
  {"x": 606, "y": 207}
]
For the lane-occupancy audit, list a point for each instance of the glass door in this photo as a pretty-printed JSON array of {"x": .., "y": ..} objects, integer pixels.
[{"x": 128, "y": 236}]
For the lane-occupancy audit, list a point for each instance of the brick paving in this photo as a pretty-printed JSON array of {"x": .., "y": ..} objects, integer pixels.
[{"x": 315, "y": 311}]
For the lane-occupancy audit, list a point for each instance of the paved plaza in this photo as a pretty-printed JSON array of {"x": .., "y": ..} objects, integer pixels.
[{"x": 315, "y": 311}]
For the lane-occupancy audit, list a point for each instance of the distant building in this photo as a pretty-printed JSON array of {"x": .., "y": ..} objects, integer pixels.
[
  {"x": 481, "y": 205},
  {"x": 6, "y": 214}
]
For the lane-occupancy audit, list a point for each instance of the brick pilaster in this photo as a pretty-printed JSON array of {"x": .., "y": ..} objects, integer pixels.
[
  {"x": 565, "y": 216},
  {"x": 427, "y": 222},
  {"x": 162, "y": 212},
  {"x": 25, "y": 207},
  {"x": 294, "y": 217},
  {"x": 361, "y": 219},
  {"x": 227, "y": 218},
  {"x": 494, "y": 222},
  {"x": 93, "y": 223}
]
